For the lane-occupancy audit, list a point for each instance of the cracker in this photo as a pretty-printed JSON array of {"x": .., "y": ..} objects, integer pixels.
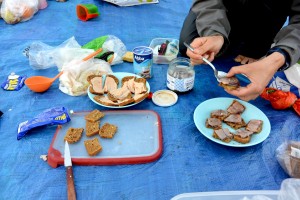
[
  {"x": 108, "y": 130},
  {"x": 73, "y": 135},
  {"x": 93, "y": 146},
  {"x": 94, "y": 116}
]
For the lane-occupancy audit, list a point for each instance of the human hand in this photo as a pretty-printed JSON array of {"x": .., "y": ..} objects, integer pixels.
[
  {"x": 259, "y": 73},
  {"x": 206, "y": 47}
]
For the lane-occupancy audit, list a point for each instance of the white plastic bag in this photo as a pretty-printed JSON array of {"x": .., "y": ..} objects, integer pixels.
[
  {"x": 293, "y": 75},
  {"x": 288, "y": 156},
  {"x": 43, "y": 56},
  {"x": 117, "y": 46},
  {"x": 290, "y": 189},
  {"x": 15, "y": 11},
  {"x": 74, "y": 79}
]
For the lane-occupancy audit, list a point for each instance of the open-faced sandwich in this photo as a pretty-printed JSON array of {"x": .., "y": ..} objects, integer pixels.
[
  {"x": 254, "y": 125},
  {"x": 223, "y": 134},
  {"x": 132, "y": 90},
  {"x": 242, "y": 136},
  {"x": 229, "y": 83},
  {"x": 235, "y": 121},
  {"x": 220, "y": 114},
  {"x": 213, "y": 123},
  {"x": 236, "y": 107}
]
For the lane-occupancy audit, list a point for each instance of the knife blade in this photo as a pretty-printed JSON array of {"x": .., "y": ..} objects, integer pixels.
[{"x": 70, "y": 177}]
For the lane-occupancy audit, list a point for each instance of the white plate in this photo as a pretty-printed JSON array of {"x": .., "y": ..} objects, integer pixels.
[
  {"x": 119, "y": 75},
  {"x": 203, "y": 110}
]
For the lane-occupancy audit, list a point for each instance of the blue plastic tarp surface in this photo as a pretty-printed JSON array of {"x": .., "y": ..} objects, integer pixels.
[{"x": 190, "y": 162}]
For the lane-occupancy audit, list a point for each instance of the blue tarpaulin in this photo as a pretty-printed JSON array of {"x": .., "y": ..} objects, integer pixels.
[{"x": 189, "y": 163}]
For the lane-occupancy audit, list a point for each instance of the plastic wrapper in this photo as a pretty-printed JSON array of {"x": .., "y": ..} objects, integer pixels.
[
  {"x": 15, "y": 11},
  {"x": 288, "y": 156},
  {"x": 74, "y": 79},
  {"x": 257, "y": 197},
  {"x": 131, "y": 2},
  {"x": 112, "y": 46},
  {"x": 13, "y": 82},
  {"x": 293, "y": 74},
  {"x": 52, "y": 116},
  {"x": 289, "y": 190},
  {"x": 43, "y": 56}
]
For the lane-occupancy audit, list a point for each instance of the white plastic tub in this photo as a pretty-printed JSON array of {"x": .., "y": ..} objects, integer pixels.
[
  {"x": 227, "y": 195},
  {"x": 163, "y": 59}
]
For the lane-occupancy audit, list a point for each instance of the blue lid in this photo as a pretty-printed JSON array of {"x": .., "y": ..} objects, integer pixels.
[{"x": 142, "y": 50}]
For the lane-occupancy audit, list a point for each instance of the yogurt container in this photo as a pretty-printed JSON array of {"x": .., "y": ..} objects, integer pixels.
[{"x": 142, "y": 61}]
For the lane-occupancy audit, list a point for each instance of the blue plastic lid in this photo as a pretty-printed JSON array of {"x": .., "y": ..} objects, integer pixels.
[{"x": 142, "y": 50}]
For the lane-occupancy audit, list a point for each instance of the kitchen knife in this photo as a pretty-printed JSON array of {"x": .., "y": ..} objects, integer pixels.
[{"x": 70, "y": 177}]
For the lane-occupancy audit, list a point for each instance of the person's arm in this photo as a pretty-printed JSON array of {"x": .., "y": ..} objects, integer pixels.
[
  {"x": 211, "y": 19},
  {"x": 259, "y": 73},
  {"x": 288, "y": 38}
]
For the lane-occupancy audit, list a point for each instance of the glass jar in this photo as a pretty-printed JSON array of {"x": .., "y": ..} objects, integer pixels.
[{"x": 181, "y": 75}]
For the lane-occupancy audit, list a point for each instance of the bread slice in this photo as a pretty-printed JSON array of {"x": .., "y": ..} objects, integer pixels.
[
  {"x": 236, "y": 107},
  {"x": 94, "y": 116},
  {"x": 96, "y": 86},
  {"x": 220, "y": 114},
  {"x": 125, "y": 102},
  {"x": 92, "y": 128},
  {"x": 108, "y": 130},
  {"x": 213, "y": 123},
  {"x": 128, "y": 82},
  {"x": 242, "y": 136},
  {"x": 128, "y": 56},
  {"x": 119, "y": 94},
  {"x": 140, "y": 97},
  {"x": 223, "y": 134},
  {"x": 229, "y": 83},
  {"x": 254, "y": 125},
  {"x": 140, "y": 86},
  {"x": 105, "y": 101},
  {"x": 73, "y": 135},
  {"x": 236, "y": 125},
  {"x": 127, "y": 78},
  {"x": 111, "y": 83},
  {"x": 235, "y": 121},
  {"x": 93, "y": 146}
]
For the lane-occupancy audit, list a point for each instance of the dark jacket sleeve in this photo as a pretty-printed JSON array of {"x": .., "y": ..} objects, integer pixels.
[
  {"x": 211, "y": 19},
  {"x": 288, "y": 38}
]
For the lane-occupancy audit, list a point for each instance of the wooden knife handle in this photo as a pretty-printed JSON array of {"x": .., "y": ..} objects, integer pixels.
[{"x": 70, "y": 183}]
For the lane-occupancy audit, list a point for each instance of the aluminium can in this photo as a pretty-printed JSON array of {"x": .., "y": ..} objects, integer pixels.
[{"x": 142, "y": 61}]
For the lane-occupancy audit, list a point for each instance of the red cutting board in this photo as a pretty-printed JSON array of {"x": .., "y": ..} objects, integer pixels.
[{"x": 138, "y": 139}]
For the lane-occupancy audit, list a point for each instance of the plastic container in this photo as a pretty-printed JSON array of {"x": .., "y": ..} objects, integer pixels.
[
  {"x": 180, "y": 75},
  {"x": 171, "y": 51},
  {"x": 227, "y": 195}
]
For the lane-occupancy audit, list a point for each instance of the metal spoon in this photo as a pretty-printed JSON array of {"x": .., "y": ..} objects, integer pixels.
[{"x": 218, "y": 74}]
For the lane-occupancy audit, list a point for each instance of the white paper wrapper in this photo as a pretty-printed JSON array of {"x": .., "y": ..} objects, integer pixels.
[{"x": 131, "y": 2}]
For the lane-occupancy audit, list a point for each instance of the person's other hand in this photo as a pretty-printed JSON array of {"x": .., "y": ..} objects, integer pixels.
[
  {"x": 259, "y": 73},
  {"x": 206, "y": 47}
]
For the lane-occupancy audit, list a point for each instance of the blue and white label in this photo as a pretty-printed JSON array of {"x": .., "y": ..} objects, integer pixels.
[
  {"x": 142, "y": 61},
  {"x": 181, "y": 85}
]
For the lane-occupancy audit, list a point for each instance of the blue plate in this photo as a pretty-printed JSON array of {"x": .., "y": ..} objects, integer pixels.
[
  {"x": 119, "y": 75},
  {"x": 203, "y": 110}
]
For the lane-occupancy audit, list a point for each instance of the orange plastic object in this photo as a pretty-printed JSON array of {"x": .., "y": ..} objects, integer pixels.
[
  {"x": 40, "y": 83},
  {"x": 86, "y": 11},
  {"x": 92, "y": 55}
]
